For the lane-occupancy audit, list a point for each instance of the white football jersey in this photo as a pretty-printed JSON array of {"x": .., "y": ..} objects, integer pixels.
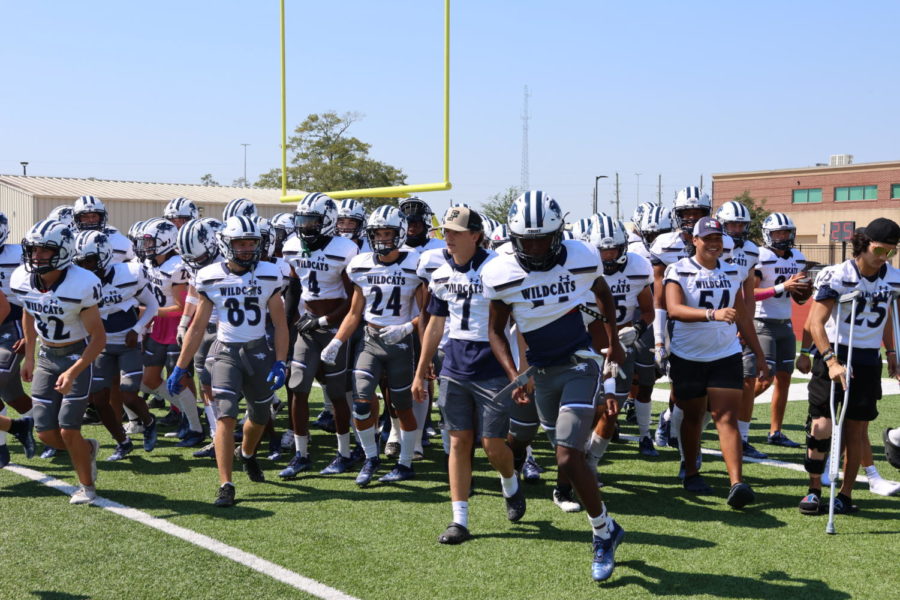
[
  {"x": 320, "y": 270},
  {"x": 625, "y": 285},
  {"x": 463, "y": 292},
  {"x": 639, "y": 248},
  {"x": 10, "y": 260},
  {"x": 57, "y": 312},
  {"x": 745, "y": 258},
  {"x": 871, "y": 308},
  {"x": 240, "y": 301},
  {"x": 545, "y": 303},
  {"x": 633, "y": 237},
  {"x": 122, "y": 249},
  {"x": 669, "y": 248},
  {"x": 121, "y": 287},
  {"x": 430, "y": 261},
  {"x": 389, "y": 290},
  {"x": 717, "y": 288},
  {"x": 162, "y": 277},
  {"x": 772, "y": 270}
]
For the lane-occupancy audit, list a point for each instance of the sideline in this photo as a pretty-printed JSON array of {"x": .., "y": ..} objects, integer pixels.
[{"x": 260, "y": 565}]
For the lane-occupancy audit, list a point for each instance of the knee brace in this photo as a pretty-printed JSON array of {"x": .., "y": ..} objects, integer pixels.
[
  {"x": 361, "y": 410},
  {"x": 818, "y": 445},
  {"x": 814, "y": 466}
]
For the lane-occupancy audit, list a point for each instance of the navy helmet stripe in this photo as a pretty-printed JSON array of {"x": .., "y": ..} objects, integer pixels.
[{"x": 539, "y": 211}]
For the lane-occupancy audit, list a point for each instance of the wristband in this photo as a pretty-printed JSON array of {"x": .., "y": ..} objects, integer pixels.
[
  {"x": 185, "y": 321},
  {"x": 710, "y": 314},
  {"x": 659, "y": 326},
  {"x": 192, "y": 300},
  {"x": 890, "y": 352},
  {"x": 779, "y": 288},
  {"x": 609, "y": 386},
  {"x": 805, "y": 351},
  {"x": 828, "y": 355}
]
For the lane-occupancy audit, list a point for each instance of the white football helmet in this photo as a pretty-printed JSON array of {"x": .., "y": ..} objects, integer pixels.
[
  {"x": 778, "y": 221},
  {"x": 48, "y": 234},
  {"x": 499, "y": 236},
  {"x": 196, "y": 243},
  {"x": 4, "y": 228},
  {"x": 653, "y": 223},
  {"x": 93, "y": 244},
  {"x": 735, "y": 212},
  {"x": 416, "y": 210},
  {"x": 315, "y": 217},
  {"x": 89, "y": 204},
  {"x": 642, "y": 208},
  {"x": 581, "y": 229},
  {"x": 535, "y": 215},
  {"x": 386, "y": 217},
  {"x": 283, "y": 223},
  {"x": 181, "y": 208},
  {"x": 609, "y": 234},
  {"x": 687, "y": 199},
  {"x": 240, "y": 228},
  {"x": 64, "y": 214},
  {"x": 239, "y": 207},
  {"x": 351, "y": 209},
  {"x": 157, "y": 237},
  {"x": 268, "y": 237}
]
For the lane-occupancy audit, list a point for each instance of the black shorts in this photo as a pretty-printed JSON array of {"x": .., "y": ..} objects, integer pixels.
[
  {"x": 865, "y": 391},
  {"x": 691, "y": 379}
]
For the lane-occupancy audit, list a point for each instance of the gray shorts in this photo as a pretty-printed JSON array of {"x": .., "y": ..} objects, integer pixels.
[
  {"x": 10, "y": 380},
  {"x": 566, "y": 396},
  {"x": 776, "y": 336},
  {"x": 373, "y": 359},
  {"x": 471, "y": 406},
  {"x": 307, "y": 360},
  {"x": 118, "y": 361},
  {"x": 160, "y": 355},
  {"x": 52, "y": 410},
  {"x": 240, "y": 371},
  {"x": 644, "y": 365},
  {"x": 523, "y": 421},
  {"x": 202, "y": 355}
]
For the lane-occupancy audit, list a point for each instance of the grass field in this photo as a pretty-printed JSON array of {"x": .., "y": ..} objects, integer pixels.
[{"x": 381, "y": 542}]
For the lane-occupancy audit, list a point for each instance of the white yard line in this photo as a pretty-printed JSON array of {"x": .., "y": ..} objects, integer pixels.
[
  {"x": 260, "y": 565},
  {"x": 796, "y": 392}
]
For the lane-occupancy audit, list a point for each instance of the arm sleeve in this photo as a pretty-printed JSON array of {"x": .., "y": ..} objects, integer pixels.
[{"x": 438, "y": 307}]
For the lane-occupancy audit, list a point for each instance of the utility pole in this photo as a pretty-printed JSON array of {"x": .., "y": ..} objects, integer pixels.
[
  {"x": 618, "y": 198},
  {"x": 245, "y": 163},
  {"x": 596, "y": 179},
  {"x": 638, "y": 192},
  {"x": 523, "y": 182},
  {"x": 659, "y": 190},
  {"x": 701, "y": 183}
]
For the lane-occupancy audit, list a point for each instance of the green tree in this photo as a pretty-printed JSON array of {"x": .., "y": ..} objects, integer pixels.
[
  {"x": 758, "y": 213},
  {"x": 497, "y": 206},
  {"x": 323, "y": 156},
  {"x": 208, "y": 180}
]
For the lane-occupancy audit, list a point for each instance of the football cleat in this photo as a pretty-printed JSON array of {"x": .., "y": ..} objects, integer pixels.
[
  {"x": 779, "y": 439},
  {"x": 515, "y": 505},
  {"x": 207, "y": 451},
  {"x": 151, "y": 435},
  {"x": 566, "y": 500},
  {"x": 325, "y": 421},
  {"x": 697, "y": 485},
  {"x": 85, "y": 494},
  {"x": 26, "y": 438},
  {"x": 398, "y": 473},
  {"x": 274, "y": 448},
  {"x": 133, "y": 427},
  {"x": 605, "y": 553},
  {"x": 531, "y": 472},
  {"x": 251, "y": 467},
  {"x": 338, "y": 466},
  {"x": 49, "y": 452},
  {"x": 191, "y": 439},
  {"x": 297, "y": 465},
  {"x": 645, "y": 447},
  {"x": 287, "y": 440},
  {"x": 844, "y": 506},
  {"x": 225, "y": 496},
  {"x": 122, "y": 450},
  {"x": 630, "y": 412},
  {"x": 454, "y": 534},
  {"x": 370, "y": 466},
  {"x": 750, "y": 452},
  {"x": 740, "y": 495},
  {"x": 662, "y": 432},
  {"x": 4, "y": 455},
  {"x": 392, "y": 450}
]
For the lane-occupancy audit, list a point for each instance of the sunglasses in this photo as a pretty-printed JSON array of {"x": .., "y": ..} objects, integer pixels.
[{"x": 881, "y": 251}]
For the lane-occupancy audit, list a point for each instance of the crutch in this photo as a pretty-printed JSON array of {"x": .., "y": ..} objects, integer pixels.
[
  {"x": 837, "y": 421},
  {"x": 895, "y": 320}
]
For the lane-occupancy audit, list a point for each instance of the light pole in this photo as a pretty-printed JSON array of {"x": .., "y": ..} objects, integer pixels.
[
  {"x": 638, "y": 194},
  {"x": 24, "y": 164},
  {"x": 245, "y": 163},
  {"x": 596, "y": 179}
]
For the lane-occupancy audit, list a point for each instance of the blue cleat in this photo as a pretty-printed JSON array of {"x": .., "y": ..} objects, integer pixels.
[
  {"x": 49, "y": 452},
  {"x": 370, "y": 466},
  {"x": 531, "y": 472},
  {"x": 398, "y": 473},
  {"x": 297, "y": 465},
  {"x": 26, "y": 438},
  {"x": 207, "y": 451},
  {"x": 645, "y": 447},
  {"x": 357, "y": 454},
  {"x": 605, "y": 553},
  {"x": 122, "y": 450},
  {"x": 4, "y": 455},
  {"x": 779, "y": 439},
  {"x": 325, "y": 421},
  {"x": 191, "y": 439},
  {"x": 662, "y": 432},
  {"x": 749, "y": 451},
  {"x": 151, "y": 435},
  {"x": 340, "y": 464},
  {"x": 184, "y": 427},
  {"x": 274, "y": 448}
]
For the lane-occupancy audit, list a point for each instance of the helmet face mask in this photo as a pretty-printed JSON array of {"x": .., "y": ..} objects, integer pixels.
[
  {"x": 536, "y": 230},
  {"x": 351, "y": 219},
  {"x": 735, "y": 219},
  {"x": 609, "y": 238},
  {"x": 691, "y": 205},
  {"x": 244, "y": 232},
  {"x": 386, "y": 218},
  {"x": 180, "y": 211},
  {"x": 89, "y": 214},
  {"x": 417, "y": 214},
  {"x": 92, "y": 251},
  {"x": 779, "y": 222},
  {"x": 48, "y": 246},
  {"x": 157, "y": 238},
  {"x": 315, "y": 217},
  {"x": 197, "y": 244}
]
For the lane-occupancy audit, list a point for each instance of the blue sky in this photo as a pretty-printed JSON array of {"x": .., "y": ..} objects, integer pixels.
[{"x": 168, "y": 91}]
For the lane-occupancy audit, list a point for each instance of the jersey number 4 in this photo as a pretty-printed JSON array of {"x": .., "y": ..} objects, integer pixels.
[
  {"x": 58, "y": 325},
  {"x": 393, "y": 302},
  {"x": 236, "y": 313}
]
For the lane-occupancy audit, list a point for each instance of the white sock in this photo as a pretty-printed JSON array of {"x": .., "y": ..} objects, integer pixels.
[
  {"x": 894, "y": 436},
  {"x": 675, "y": 427},
  {"x": 343, "y": 441},
  {"x": 132, "y": 416},
  {"x": 598, "y": 446},
  {"x": 145, "y": 389},
  {"x": 461, "y": 513},
  {"x": 210, "y": 411},
  {"x": 244, "y": 454},
  {"x": 301, "y": 444},
  {"x": 407, "y": 442},
  {"x": 3, "y": 433},
  {"x": 528, "y": 452},
  {"x": 872, "y": 472},
  {"x": 395, "y": 430},
  {"x": 666, "y": 415},
  {"x": 643, "y": 411},
  {"x": 188, "y": 403},
  {"x": 162, "y": 393},
  {"x": 420, "y": 411},
  {"x": 367, "y": 439},
  {"x": 510, "y": 485},
  {"x": 600, "y": 524},
  {"x": 744, "y": 428}
]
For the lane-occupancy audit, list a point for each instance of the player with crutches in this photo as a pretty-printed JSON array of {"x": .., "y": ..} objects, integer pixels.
[{"x": 847, "y": 323}]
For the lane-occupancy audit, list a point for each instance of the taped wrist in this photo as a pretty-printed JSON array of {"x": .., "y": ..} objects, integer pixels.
[{"x": 659, "y": 326}]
